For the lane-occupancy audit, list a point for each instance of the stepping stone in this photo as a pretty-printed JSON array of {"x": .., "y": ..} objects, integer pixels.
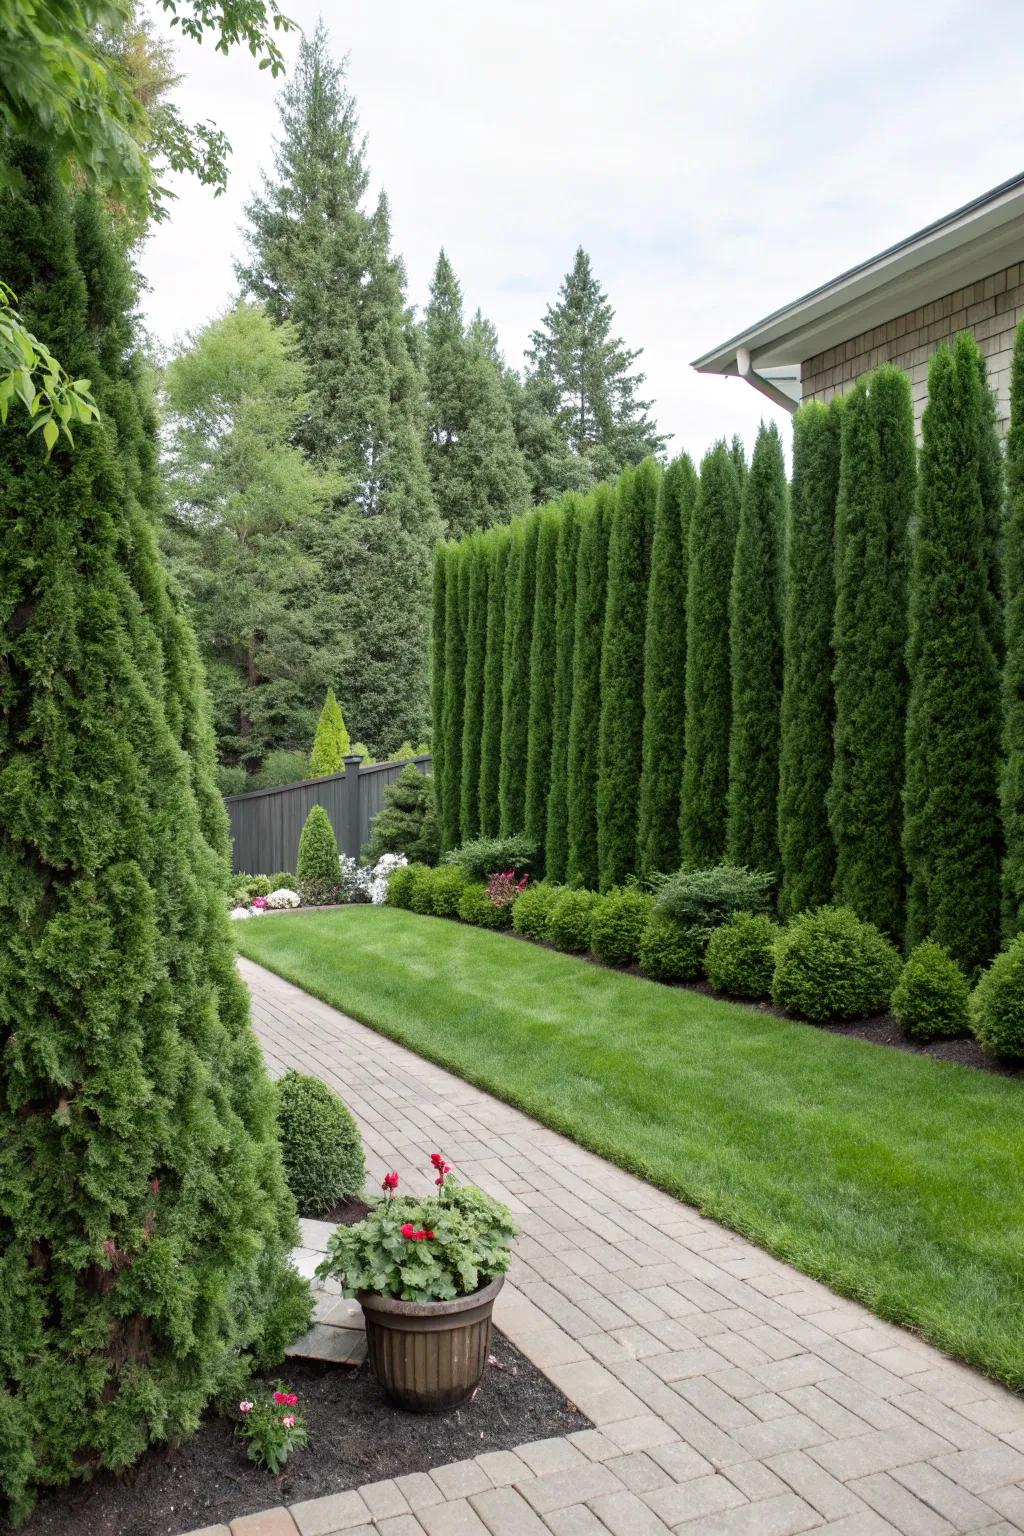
[{"x": 340, "y": 1346}]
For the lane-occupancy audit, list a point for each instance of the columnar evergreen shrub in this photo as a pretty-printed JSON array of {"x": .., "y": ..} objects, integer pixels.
[
  {"x": 591, "y": 590},
  {"x": 406, "y": 822},
  {"x": 997, "y": 1005},
  {"x": 556, "y": 842},
  {"x": 473, "y": 715},
  {"x": 331, "y": 742},
  {"x": 806, "y": 850},
  {"x": 498, "y": 547},
  {"x": 1013, "y": 676},
  {"x": 665, "y": 674},
  {"x": 952, "y": 834},
  {"x": 712, "y": 542},
  {"x": 931, "y": 996},
  {"x": 515, "y": 698},
  {"x": 829, "y": 964},
  {"x": 876, "y": 496},
  {"x": 438, "y": 618},
  {"x": 456, "y": 612},
  {"x": 318, "y": 848},
  {"x": 617, "y": 924},
  {"x": 542, "y": 681},
  {"x": 620, "y": 731},
  {"x": 485, "y": 856},
  {"x": 755, "y": 619},
  {"x": 671, "y": 951},
  {"x": 569, "y": 922},
  {"x": 145, "y": 1223},
  {"x": 740, "y": 957},
  {"x": 320, "y": 1144},
  {"x": 476, "y": 907},
  {"x": 531, "y": 912}
]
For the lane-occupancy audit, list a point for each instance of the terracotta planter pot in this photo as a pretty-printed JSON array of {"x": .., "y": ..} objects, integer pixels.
[{"x": 429, "y": 1356}]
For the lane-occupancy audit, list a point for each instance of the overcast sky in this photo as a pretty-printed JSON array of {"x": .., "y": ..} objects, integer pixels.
[{"x": 715, "y": 161}]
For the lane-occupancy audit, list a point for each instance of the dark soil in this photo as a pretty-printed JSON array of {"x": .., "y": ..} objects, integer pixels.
[
  {"x": 355, "y": 1437},
  {"x": 345, "y": 1214}
]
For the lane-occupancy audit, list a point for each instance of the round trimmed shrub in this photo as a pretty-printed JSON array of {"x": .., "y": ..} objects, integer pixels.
[
  {"x": 831, "y": 965},
  {"x": 740, "y": 956},
  {"x": 476, "y": 907},
  {"x": 444, "y": 887},
  {"x": 569, "y": 921},
  {"x": 931, "y": 996},
  {"x": 997, "y": 1005},
  {"x": 617, "y": 924},
  {"x": 531, "y": 912},
  {"x": 671, "y": 951},
  {"x": 401, "y": 884},
  {"x": 259, "y": 885},
  {"x": 282, "y": 881},
  {"x": 320, "y": 1144},
  {"x": 421, "y": 898}
]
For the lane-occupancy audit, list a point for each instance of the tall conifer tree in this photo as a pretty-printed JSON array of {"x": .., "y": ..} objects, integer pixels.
[
  {"x": 515, "y": 695},
  {"x": 585, "y": 711},
  {"x": 556, "y": 846},
  {"x": 755, "y": 630},
  {"x": 621, "y": 720},
  {"x": 331, "y": 742},
  {"x": 542, "y": 680},
  {"x": 456, "y": 605},
  {"x": 1013, "y": 676},
  {"x": 806, "y": 849},
  {"x": 476, "y": 657},
  {"x": 712, "y": 543},
  {"x": 952, "y": 833},
  {"x": 437, "y": 632},
  {"x": 498, "y": 546},
  {"x": 876, "y": 497}
]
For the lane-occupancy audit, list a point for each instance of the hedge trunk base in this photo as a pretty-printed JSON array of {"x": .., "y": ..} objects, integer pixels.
[{"x": 429, "y": 1356}]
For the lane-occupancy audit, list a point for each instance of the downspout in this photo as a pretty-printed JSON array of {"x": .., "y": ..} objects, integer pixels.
[{"x": 759, "y": 382}]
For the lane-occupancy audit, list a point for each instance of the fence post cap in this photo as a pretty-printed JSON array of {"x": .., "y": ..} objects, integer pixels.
[{"x": 351, "y": 757}]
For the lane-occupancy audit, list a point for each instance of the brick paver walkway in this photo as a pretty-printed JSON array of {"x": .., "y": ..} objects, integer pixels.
[{"x": 730, "y": 1394}]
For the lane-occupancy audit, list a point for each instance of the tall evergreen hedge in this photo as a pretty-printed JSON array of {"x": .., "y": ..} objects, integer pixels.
[
  {"x": 145, "y": 1223},
  {"x": 542, "y": 681},
  {"x": 620, "y": 738},
  {"x": 456, "y": 605},
  {"x": 515, "y": 699},
  {"x": 665, "y": 673},
  {"x": 712, "y": 543},
  {"x": 439, "y": 614},
  {"x": 806, "y": 850},
  {"x": 876, "y": 497},
  {"x": 1013, "y": 675},
  {"x": 556, "y": 841},
  {"x": 755, "y": 617},
  {"x": 497, "y": 545},
  {"x": 473, "y": 713},
  {"x": 952, "y": 834},
  {"x": 591, "y": 590}
]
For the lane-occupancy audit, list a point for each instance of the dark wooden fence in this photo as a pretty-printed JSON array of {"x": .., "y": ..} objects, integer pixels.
[{"x": 266, "y": 823}]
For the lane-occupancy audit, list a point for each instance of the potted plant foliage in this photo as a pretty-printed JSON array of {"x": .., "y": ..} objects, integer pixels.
[{"x": 426, "y": 1271}]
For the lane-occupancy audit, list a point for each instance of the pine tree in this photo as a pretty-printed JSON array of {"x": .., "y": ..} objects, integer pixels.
[
  {"x": 438, "y": 614},
  {"x": 712, "y": 543},
  {"x": 806, "y": 850},
  {"x": 665, "y": 673},
  {"x": 585, "y": 710},
  {"x": 331, "y": 742},
  {"x": 621, "y": 722},
  {"x": 144, "y": 1220},
  {"x": 952, "y": 832},
  {"x": 452, "y": 713},
  {"x": 1013, "y": 675},
  {"x": 876, "y": 494},
  {"x": 477, "y": 471},
  {"x": 406, "y": 822},
  {"x": 498, "y": 546},
  {"x": 515, "y": 683},
  {"x": 552, "y": 468},
  {"x": 755, "y": 632},
  {"x": 581, "y": 374},
  {"x": 542, "y": 681},
  {"x": 476, "y": 655},
  {"x": 556, "y": 842},
  {"x": 318, "y": 260}
]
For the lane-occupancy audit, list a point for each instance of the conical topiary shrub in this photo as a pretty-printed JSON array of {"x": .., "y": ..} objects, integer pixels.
[
  {"x": 331, "y": 741},
  {"x": 318, "y": 849}
]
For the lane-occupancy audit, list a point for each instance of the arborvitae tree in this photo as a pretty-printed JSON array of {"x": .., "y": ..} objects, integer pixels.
[
  {"x": 738, "y": 454},
  {"x": 515, "y": 682},
  {"x": 556, "y": 841},
  {"x": 621, "y": 722},
  {"x": 452, "y": 713},
  {"x": 331, "y": 742},
  {"x": 318, "y": 848},
  {"x": 476, "y": 648},
  {"x": 585, "y": 711},
  {"x": 755, "y": 631},
  {"x": 712, "y": 543},
  {"x": 1013, "y": 676},
  {"x": 477, "y": 471},
  {"x": 665, "y": 673},
  {"x": 439, "y": 612},
  {"x": 498, "y": 545},
  {"x": 581, "y": 373},
  {"x": 952, "y": 832},
  {"x": 806, "y": 850},
  {"x": 144, "y": 1220},
  {"x": 542, "y": 681},
  {"x": 322, "y": 262},
  {"x": 876, "y": 498}
]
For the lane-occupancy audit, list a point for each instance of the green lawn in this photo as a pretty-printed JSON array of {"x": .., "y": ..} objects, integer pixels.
[{"x": 893, "y": 1178}]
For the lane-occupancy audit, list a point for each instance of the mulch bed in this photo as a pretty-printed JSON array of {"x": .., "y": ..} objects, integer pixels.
[{"x": 355, "y": 1437}]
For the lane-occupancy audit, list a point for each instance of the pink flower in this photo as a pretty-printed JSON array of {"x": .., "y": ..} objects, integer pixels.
[
  {"x": 288, "y": 1420},
  {"x": 408, "y": 1230},
  {"x": 286, "y": 1399},
  {"x": 245, "y": 1406},
  {"x": 259, "y": 901}
]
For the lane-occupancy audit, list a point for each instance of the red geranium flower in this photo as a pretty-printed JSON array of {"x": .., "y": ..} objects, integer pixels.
[
  {"x": 390, "y": 1182},
  {"x": 408, "y": 1230},
  {"x": 286, "y": 1399}
]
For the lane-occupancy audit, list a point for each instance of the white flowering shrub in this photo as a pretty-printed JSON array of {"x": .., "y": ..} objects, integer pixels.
[
  {"x": 280, "y": 900},
  {"x": 355, "y": 879},
  {"x": 385, "y": 865},
  {"x": 239, "y": 912}
]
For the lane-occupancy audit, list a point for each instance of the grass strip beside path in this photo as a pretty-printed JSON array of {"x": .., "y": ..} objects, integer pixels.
[{"x": 893, "y": 1178}]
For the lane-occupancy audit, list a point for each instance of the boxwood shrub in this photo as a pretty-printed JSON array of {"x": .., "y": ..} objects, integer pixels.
[
  {"x": 476, "y": 907},
  {"x": 740, "y": 957},
  {"x": 931, "y": 996},
  {"x": 320, "y": 1144},
  {"x": 444, "y": 887},
  {"x": 421, "y": 890},
  {"x": 617, "y": 924},
  {"x": 569, "y": 921},
  {"x": 671, "y": 951},
  {"x": 402, "y": 882},
  {"x": 831, "y": 965},
  {"x": 997, "y": 1005},
  {"x": 531, "y": 912}
]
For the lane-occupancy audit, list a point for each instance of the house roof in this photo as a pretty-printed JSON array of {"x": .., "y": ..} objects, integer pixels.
[{"x": 972, "y": 242}]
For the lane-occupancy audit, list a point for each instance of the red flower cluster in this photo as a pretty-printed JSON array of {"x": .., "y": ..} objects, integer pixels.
[
  {"x": 390, "y": 1183},
  {"x": 441, "y": 1167},
  {"x": 503, "y": 889},
  {"x": 286, "y": 1399},
  {"x": 410, "y": 1232}
]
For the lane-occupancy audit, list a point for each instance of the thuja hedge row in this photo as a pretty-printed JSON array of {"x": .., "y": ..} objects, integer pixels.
[{"x": 824, "y": 680}]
